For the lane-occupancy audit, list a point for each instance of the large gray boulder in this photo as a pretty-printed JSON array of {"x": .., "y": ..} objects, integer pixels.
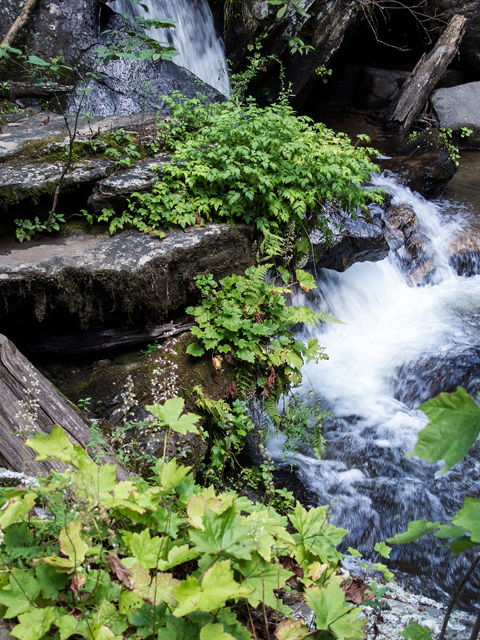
[{"x": 458, "y": 107}]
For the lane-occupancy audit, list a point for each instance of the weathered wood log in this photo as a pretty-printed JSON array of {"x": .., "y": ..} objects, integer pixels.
[
  {"x": 21, "y": 19},
  {"x": 29, "y": 402},
  {"x": 430, "y": 68},
  {"x": 14, "y": 90},
  {"x": 91, "y": 340}
]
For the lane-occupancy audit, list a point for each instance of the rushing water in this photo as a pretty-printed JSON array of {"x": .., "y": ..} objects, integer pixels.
[
  {"x": 201, "y": 50},
  {"x": 398, "y": 345}
]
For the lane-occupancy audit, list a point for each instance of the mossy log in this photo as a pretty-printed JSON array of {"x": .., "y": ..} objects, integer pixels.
[
  {"x": 29, "y": 403},
  {"x": 424, "y": 78}
]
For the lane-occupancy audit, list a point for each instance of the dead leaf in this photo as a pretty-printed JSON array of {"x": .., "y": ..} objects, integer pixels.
[
  {"x": 356, "y": 591},
  {"x": 76, "y": 583},
  {"x": 231, "y": 391},
  {"x": 289, "y": 565},
  {"x": 46, "y": 120},
  {"x": 120, "y": 570},
  {"x": 258, "y": 317},
  {"x": 316, "y": 570},
  {"x": 216, "y": 378},
  {"x": 290, "y": 629},
  {"x": 217, "y": 363},
  {"x": 266, "y": 392},
  {"x": 271, "y": 377},
  {"x": 77, "y": 613},
  {"x": 198, "y": 219},
  {"x": 188, "y": 231}
]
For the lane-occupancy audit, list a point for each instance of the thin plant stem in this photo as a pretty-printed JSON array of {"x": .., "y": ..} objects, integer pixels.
[{"x": 455, "y": 596}]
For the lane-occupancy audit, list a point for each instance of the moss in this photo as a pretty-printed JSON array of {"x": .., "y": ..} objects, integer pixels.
[{"x": 8, "y": 197}]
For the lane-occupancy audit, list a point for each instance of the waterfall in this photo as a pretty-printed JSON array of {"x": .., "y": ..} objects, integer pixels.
[
  {"x": 201, "y": 50},
  {"x": 398, "y": 346}
]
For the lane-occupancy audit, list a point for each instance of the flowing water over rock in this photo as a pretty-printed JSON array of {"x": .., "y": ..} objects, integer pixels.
[
  {"x": 201, "y": 50},
  {"x": 398, "y": 346}
]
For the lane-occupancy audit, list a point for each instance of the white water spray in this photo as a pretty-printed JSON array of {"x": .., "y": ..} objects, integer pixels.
[
  {"x": 201, "y": 50},
  {"x": 398, "y": 346}
]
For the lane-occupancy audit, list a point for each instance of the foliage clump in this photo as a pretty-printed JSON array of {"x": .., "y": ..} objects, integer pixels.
[{"x": 83, "y": 555}]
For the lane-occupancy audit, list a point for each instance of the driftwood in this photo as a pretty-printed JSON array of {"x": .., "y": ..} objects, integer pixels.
[
  {"x": 14, "y": 90},
  {"x": 430, "y": 68},
  {"x": 91, "y": 341},
  {"x": 14, "y": 30},
  {"x": 23, "y": 391}
]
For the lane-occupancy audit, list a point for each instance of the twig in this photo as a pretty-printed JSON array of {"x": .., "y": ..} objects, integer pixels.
[
  {"x": 18, "y": 24},
  {"x": 455, "y": 597}
]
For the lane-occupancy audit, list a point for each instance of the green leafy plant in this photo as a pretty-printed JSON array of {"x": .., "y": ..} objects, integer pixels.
[
  {"x": 261, "y": 166},
  {"x": 164, "y": 558},
  {"x": 27, "y": 228},
  {"x": 453, "y": 427}
]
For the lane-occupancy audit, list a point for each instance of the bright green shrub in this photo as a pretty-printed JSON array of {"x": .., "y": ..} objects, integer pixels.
[{"x": 266, "y": 167}]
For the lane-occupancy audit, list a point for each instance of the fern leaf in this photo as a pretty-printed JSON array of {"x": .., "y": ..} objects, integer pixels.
[{"x": 319, "y": 443}]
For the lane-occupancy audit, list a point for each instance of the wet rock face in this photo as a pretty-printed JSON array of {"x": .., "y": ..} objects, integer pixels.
[
  {"x": 127, "y": 278},
  {"x": 458, "y": 107},
  {"x": 73, "y": 29},
  {"x": 353, "y": 241},
  {"x": 426, "y": 171}
]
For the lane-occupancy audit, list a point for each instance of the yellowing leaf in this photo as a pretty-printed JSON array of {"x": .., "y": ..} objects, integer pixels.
[
  {"x": 316, "y": 571},
  {"x": 198, "y": 504},
  {"x": 57, "y": 445},
  {"x": 71, "y": 543},
  {"x": 156, "y": 590},
  {"x": 17, "y": 508},
  {"x": 288, "y": 629}
]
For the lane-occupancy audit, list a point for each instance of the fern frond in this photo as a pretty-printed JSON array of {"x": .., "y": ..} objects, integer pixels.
[
  {"x": 270, "y": 409},
  {"x": 319, "y": 443}
]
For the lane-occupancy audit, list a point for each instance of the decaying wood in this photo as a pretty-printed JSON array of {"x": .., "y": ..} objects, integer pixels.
[
  {"x": 14, "y": 30},
  {"x": 23, "y": 391},
  {"x": 90, "y": 341},
  {"x": 14, "y": 90},
  {"x": 430, "y": 68}
]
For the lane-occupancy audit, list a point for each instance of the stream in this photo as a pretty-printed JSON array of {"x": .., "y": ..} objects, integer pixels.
[{"x": 398, "y": 346}]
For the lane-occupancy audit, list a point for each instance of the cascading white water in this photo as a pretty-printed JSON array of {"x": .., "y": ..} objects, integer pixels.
[
  {"x": 395, "y": 342},
  {"x": 201, "y": 50}
]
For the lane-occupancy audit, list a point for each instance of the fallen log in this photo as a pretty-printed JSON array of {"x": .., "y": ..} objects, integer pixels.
[
  {"x": 14, "y": 90},
  {"x": 91, "y": 340},
  {"x": 19, "y": 22},
  {"x": 430, "y": 68},
  {"x": 29, "y": 403}
]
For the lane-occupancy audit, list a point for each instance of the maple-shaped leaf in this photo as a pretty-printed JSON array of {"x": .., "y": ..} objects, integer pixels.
[
  {"x": 57, "y": 445},
  {"x": 262, "y": 578},
  {"x": 110, "y": 616},
  {"x": 70, "y": 626},
  {"x": 217, "y": 586},
  {"x": 146, "y": 550},
  {"x": 171, "y": 475},
  {"x": 305, "y": 280},
  {"x": 156, "y": 590},
  {"x": 170, "y": 415},
  {"x": 34, "y": 624},
  {"x": 176, "y": 556},
  {"x": 332, "y": 613},
  {"x": 416, "y": 529},
  {"x": 198, "y": 504},
  {"x": 266, "y": 531},
  {"x": 453, "y": 428},
  {"x": 15, "y": 597},
  {"x": 416, "y": 631},
  {"x": 224, "y": 534},
  {"x": 469, "y": 518},
  {"x": 16, "y": 508}
]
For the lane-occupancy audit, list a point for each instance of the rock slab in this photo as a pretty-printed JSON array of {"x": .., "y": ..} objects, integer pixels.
[{"x": 458, "y": 107}]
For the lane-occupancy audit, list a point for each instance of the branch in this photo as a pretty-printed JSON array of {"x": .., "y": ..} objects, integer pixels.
[{"x": 18, "y": 24}]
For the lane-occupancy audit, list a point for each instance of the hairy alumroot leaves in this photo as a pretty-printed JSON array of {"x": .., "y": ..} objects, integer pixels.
[
  {"x": 453, "y": 428},
  {"x": 216, "y": 587},
  {"x": 333, "y": 613},
  {"x": 215, "y": 632},
  {"x": 416, "y": 631},
  {"x": 469, "y": 517},
  {"x": 34, "y": 624},
  {"x": 262, "y": 578},
  {"x": 169, "y": 415}
]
